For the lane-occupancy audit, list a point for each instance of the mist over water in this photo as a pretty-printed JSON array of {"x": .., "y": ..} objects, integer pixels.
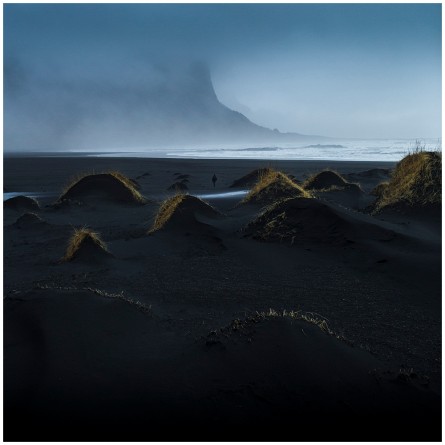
[
  {"x": 340, "y": 150},
  {"x": 222, "y": 81}
]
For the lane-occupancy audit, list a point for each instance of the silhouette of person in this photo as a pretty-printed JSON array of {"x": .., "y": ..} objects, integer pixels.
[{"x": 214, "y": 179}]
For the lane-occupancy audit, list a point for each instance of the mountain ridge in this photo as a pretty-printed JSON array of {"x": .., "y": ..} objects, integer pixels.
[{"x": 178, "y": 108}]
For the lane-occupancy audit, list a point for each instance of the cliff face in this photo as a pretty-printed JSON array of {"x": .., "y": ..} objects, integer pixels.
[{"x": 179, "y": 107}]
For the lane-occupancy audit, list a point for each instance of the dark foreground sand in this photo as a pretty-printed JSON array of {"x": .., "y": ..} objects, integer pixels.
[{"x": 164, "y": 341}]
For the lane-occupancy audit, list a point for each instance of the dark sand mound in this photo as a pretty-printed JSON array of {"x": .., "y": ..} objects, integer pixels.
[
  {"x": 350, "y": 196},
  {"x": 104, "y": 186},
  {"x": 106, "y": 363},
  {"x": 29, "y": 220},
  {"x": 21, "y": 203},
  {"x": 375, "y": 173},
  {"x": 66, "y": 359},
  {"x": 307, "y": 220},
  {"x": 272, "y": 186},
  {"x": 86, "y": 245},
  {"x": 332, "y": 186},
  {"x": 144, "y": 175},
  {"x": 324, "y": 180},
  {"x": 415, "y": 185},
  {"x": 179, "y": 186},
  {"x": 321, "y": 379},
  {"x": 181, "y": 211},
  {"x": 251, "y": 178}
]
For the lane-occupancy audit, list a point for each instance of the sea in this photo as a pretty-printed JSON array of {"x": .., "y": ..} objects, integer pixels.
[
  {"x": 380, "y": 150},
  {"x": 339, "y": 150}
]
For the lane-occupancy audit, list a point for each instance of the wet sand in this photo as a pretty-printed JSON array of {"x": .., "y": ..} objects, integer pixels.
[{"x": 77, "y": 342}]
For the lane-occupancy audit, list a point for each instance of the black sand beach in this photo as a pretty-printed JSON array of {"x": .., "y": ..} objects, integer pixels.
[{"x": 211, "y": 328}]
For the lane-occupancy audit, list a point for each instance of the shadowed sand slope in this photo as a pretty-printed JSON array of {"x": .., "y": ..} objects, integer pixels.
[
  {"x": 303, "y": 220},
  {"x": 181, "y": 212},
  {"x": 86, "y": 245},
  {"x": 29, "y": 220},
  {"x": 22, "y": 203},
  {"x": 271, "y": 186},
  {"x": 105, "y": 186},
  {"x": 57, "y": 374},
  {"x": 415, "y": 184}
]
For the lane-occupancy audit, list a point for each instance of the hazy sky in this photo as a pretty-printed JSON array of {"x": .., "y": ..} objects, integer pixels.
[{"x": 371, "y": 71}]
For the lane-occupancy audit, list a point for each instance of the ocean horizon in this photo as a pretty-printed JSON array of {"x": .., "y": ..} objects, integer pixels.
[{"x": 377, "y": 150}]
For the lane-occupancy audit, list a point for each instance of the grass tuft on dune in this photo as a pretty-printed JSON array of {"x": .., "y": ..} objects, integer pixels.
[
  {"x": 379, "y": 189},
  {"x": 415, "y": 183},
  {"x": 325, "y": 180},
  {"x": 251, "y": 178},
  {"x": 181, "y": 209},
  {"x": 113, "y": 185},
  {"x": 273, "y": 185},
  {"x": 85, "y": 243}
]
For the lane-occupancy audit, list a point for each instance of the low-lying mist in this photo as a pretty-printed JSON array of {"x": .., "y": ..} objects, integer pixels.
[{"x": 143, "y": 106}]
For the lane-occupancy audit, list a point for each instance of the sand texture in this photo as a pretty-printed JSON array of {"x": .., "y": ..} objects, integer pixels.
[{"x": 186, "y": 314}]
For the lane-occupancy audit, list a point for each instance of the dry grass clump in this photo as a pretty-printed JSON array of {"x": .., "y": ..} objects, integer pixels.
[
  {"x": 85, "y": 243},
  {"x": 325, "y": 180},
  {"x": 379, "y": 189},
  {"x": 246, "y": 327},
  {"x": 166, "y": 211},
  {"x": 273, "y": 185},
  {"x": 251, "y": 178},
  {"x": 181, "y": 209},
  {"x": 113, "y": 185},
  {"x": 415, "y": 183}
]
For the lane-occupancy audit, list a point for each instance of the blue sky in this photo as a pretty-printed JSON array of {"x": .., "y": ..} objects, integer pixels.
[{"x": 342, "y": 70}]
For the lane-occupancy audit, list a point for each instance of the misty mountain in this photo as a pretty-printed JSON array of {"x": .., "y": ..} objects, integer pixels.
[{"x": 173, "y": 107}]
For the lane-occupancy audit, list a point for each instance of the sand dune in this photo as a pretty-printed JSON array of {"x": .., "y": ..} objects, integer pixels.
[
  {"x": 29, "y": 221},
  {"x": 172, "y": 337},
  {"x": 307, "y": 220},
  {"x": 21, "y": 203},
  {"x": 272, "y": 186},
  {"x": 104, "y": 186},
  {"x": 283, "y": 370},
  {"x": 181, "y": 212}
]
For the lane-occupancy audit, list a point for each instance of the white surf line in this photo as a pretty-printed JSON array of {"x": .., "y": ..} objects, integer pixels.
[
  {"x": 8, "y": 195},
  {"x": 223, "y": 195}
]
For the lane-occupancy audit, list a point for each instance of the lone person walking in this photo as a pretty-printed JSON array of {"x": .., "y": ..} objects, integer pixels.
[{"x": 214, "y": 179}]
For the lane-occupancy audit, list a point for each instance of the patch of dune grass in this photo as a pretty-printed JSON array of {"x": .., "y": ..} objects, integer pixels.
[
  {"x": 245, "y": 326},
  {"x": 181, "y": 208},
  {"x": 166, "y": 211},
  {"x": 273, "y": 184},
  {"x": 126, "y": 182},
  {"x": 74, "y": 179},
  {"x": 415, "y": 182},
  {"x": 326, "y": 180},
  {"x": 79, "y": 237},
  {"x": 251, "y": 178},
  {"x": 379, "y": 189}
]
